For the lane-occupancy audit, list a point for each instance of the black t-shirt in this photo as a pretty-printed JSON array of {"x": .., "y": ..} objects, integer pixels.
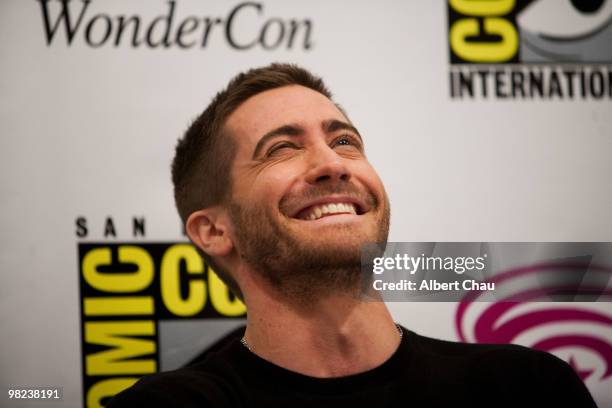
[{"x": 423, "y": 372}]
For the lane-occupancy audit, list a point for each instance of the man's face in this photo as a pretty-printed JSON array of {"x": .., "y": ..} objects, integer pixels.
[{"x": 304, "y": 197}]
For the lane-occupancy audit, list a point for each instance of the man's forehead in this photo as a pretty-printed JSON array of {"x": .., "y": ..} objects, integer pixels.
[{"x": 292, "y": 104}]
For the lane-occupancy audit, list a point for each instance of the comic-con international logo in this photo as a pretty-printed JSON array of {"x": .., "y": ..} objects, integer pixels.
[
  {"x": 145, "y": 307},
  {"x": 530, "y": 49}
]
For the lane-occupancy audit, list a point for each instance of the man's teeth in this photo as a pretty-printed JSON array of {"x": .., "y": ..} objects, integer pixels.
[{"x": 319, "y": 211}]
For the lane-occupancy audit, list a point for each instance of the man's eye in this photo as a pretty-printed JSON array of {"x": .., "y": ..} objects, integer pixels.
[
  {"x": 347, "y": 140},
  {"x": 279, "y": 148}
]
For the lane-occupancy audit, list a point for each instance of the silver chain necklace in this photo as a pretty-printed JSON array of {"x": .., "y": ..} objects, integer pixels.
[{"x": 399, "y": 330}]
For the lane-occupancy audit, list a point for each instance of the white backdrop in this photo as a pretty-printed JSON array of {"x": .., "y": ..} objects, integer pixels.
[{"x": 90, "y": 132}]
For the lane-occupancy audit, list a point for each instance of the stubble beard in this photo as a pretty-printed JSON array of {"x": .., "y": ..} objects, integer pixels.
[{"x": 304, "y": 270}]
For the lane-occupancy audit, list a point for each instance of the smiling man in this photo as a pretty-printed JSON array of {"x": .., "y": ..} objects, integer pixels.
[{"x": 275, "y": 189}]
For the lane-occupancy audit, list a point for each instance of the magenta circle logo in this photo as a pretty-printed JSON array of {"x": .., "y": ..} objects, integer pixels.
[{"x": 578, "y": 332}]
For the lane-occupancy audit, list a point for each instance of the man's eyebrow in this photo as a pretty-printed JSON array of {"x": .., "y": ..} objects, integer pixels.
[
  {"x": 285, "y": 130},
  {"x": 333, "y": 125}
]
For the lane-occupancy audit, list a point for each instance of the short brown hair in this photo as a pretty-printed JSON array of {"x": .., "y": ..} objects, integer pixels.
[{"x": 204, "y": 155}]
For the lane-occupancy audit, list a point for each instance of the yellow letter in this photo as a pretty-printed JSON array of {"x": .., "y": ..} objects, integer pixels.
[
  {"x": 481, "y": 51},
  {"x": 118, "y": 282},
  {"x": 482, "y": 8},
  {"x": 107, "y": 388},
  {"x": 171, "y": 284},
  {"x": 109, "y": 362},
  {"x": 220, "y": 296},
  {"x": 118, "y": 306}
]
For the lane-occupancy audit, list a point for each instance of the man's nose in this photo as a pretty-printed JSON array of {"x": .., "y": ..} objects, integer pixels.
[{"x": 325, "y": 165}]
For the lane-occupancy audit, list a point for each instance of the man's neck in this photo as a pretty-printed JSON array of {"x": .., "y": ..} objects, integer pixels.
[{"x": 335, "y": 336}]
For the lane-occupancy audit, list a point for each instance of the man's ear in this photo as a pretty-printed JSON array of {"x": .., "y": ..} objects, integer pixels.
[{"x": 208, "y": 229}]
